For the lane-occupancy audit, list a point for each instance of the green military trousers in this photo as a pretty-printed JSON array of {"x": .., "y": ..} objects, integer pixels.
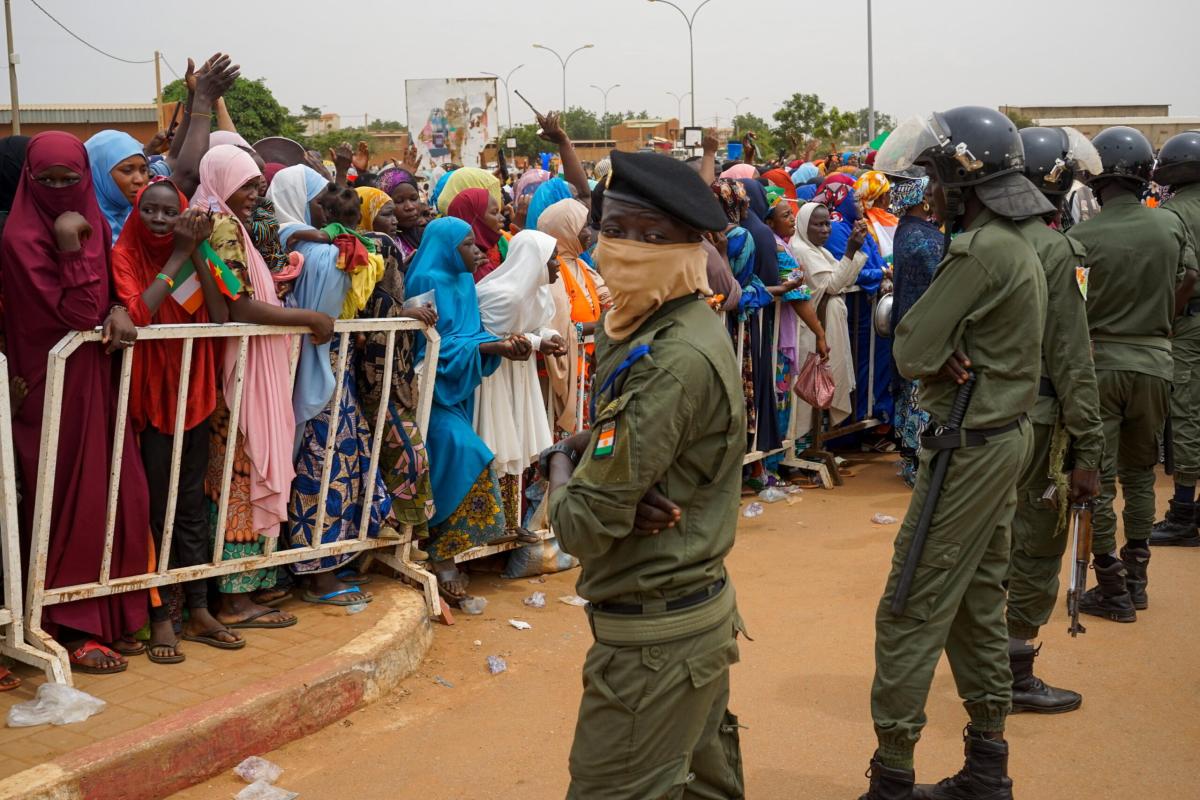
[
  {"x": 654, "y": 721},
  {"x": 1037, "y": 545},
  {"x": 1133, "y": 407},
  {"x": 956, "y": 603},
  {"x": 1185, "y": 400}
]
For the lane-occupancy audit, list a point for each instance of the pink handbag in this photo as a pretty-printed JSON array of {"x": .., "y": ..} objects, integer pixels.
[{"x": 815, "y": 384}]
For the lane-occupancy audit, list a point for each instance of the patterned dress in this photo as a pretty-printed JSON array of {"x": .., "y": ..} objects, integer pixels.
[{"x": 478, "y": 518}]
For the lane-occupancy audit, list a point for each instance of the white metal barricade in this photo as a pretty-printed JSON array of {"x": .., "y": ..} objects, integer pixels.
[{"x": 392, "y": 551}]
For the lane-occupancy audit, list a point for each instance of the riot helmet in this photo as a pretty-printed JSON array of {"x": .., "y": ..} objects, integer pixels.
[
  {"x": 1125, "y": 154},
  {"x": 1179, "y": 160},
  {"x": 1054, "y": 157}
]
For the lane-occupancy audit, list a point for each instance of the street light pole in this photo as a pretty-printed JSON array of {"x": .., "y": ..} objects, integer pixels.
[
  {"x": 870, "y": 79},
  {"x": 605, "y": 93},
  {"x": 691, "y": 47},
  {"x": 679, "y": 104},
  {"x": 507, "y": 94},
  {"x": 737, "y": 106},
  {"x": 564, "y": 62},
  {"x": 12, "y": 70}
]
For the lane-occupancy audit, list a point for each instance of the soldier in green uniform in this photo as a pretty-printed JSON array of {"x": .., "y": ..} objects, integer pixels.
[
  {"x": 1067, "y": 403},
  {"x": 983, "y": 313},
  {"x": 1179, "y": 167},
  {"x": 1141, "y": 269},
  {"x": 669, "y": 423}
]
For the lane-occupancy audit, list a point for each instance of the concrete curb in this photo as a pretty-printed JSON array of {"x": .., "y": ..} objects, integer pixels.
[{"x": 170, "y": 754}]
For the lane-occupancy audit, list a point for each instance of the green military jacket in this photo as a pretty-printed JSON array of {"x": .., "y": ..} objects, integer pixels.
[
  {"x": 674, "y": 420},
  {"x": 1136, "y": 256},
  {"x": 987, "y": 299},
  {"x": 1066, "y": 345},
  {"x": 1186, "y": 203}
]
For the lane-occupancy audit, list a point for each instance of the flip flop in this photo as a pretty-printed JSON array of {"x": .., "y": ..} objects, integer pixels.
[
  {"x": 252, "y": 621},
  {"x": 505, "y": 538},
  {"x": 175, "y": 659},
  {"x": 8, "y": 681},
  {"x": 449, "y": 596},
  {"x": 276, "y": 603},
  {"x": 137, "y": 649},
  {"x": 526, "y": 536},
  {"x": 211, "y": 640},
  {"x": 89, "y": 646},
  {"x": 338, "y": 597},
  {"x": 353, "y": 577}
]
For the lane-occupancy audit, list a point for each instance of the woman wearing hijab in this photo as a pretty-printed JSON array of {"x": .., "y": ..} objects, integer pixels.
[
  {"x": 466, "y": 491},
  {"x": 916, "y": 252},
  {"x": 54, "y": 268},
  {"x": 481, "y": 211},
  {"x": 580, "y": 297},
  {"x": 828, "y": 277},
  {"x": 467, "y": 178},
  {"x": 740, "y": 172},
  {"x": 401, "y": 186},
  {"x": 874, "y": 195},
  {"x": 262, "y": 465},
  {"x": 322, "y": 287},
  {"x": 547, "y": 194},
  {"x": 119, "y": 171},
  {"x": 510, "y": 414}
]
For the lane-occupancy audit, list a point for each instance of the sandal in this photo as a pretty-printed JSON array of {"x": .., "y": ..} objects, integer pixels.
[
  {"x": 129, "y": 647},
  {"x": 446, "y": 594},
  {"x": 8, "y": 681},
  {"x": 338, "y": 597},
  {"x": 353, "y": 577},
  {"x": 526, "y": 536},
  {"x": 252, "y": 621},
  {"x": 210, "y": 638},
  {"x": 91, "y": 646},
  {"x": 176, "y": 658},
  {"x": 272, "y": 602}
]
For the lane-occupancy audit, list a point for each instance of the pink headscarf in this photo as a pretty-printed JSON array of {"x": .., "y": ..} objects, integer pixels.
[
  {"x": 740, "y": 172},
  {"x": 530, "y": 177},
  {"x": 218, "y": 138},
  {"x": 266, "y": 422}
]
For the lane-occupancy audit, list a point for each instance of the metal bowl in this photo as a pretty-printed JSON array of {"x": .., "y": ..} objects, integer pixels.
[
  {"x": 883, "y": 316},
  {"x": 280, "y": 150}
]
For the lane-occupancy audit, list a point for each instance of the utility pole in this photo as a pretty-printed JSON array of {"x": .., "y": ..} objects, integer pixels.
[
  {"x": 870, "y": 80},
  {"x": 691, "y": 21},
  {"x": 564, "y": 62},
  {"x": 158, "y": 108},
  {"x": 13, "y": 60}
]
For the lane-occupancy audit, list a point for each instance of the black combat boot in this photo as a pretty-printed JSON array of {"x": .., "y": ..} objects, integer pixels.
[
  {"x": 1030, "y": 694},
  {"x": 889, "y": 783},
  {"x": 1110, "y": 598},
  {"x": 1178, "y": 528},
  {"x": 984, "y": 776},
  {"x": 1137, "y": 563}
]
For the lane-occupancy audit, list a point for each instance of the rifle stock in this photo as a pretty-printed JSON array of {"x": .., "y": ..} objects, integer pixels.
[{"x": 1081, "y": 551}]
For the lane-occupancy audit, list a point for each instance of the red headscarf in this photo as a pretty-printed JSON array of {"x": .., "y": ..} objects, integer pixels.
[
  {"x": 470, "y": 206},
  {"x": 142, "y": 245},
  {"x": 271, "y": 170},
  {"x": 780, "y": 178}
]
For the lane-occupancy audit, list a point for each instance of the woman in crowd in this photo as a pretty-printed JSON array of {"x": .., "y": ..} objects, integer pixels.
[
  {"x": 401, "y": 186},
  {"x": 403, "y": 459},
  {"x": 916, "y": 252},
  {"x": 874, "y": 195},
  {"x": 549, "y": 193},
  {"x": 828, "y": 278},
  {"x": 466, "y": 491},
  {"x": 262, "y": 475},
  {"x": 119, "y": 171},
  {"x": 54, "y": 268},
  {"x": 510, "y": 415},
  {"x": 159, "y": 240},
  {"x": 467, "y": 178},
  {"x": 481, "y": 211}
]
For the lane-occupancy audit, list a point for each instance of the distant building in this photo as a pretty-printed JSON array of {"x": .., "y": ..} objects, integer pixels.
[
  {"x": 139, "y": 120},
  {"x": 326, "y": 123},
  {"x": 634, "y": 134},
  {"x": 1154, "y": 121}
]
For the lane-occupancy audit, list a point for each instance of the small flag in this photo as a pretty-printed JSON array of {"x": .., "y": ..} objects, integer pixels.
[{"x": 188, "y": 292}]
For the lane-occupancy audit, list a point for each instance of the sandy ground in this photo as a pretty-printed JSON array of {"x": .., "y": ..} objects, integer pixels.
[{"x": 808, "y": 577}]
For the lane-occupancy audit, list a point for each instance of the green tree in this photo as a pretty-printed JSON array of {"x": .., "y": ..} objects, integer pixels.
[
  {"x": 1019, "y": 119},
  {"x": 767, "y": 142},
  {"x": 309, "y": 112},
  {"x": 387, "y": 125},
  {"x": 805, "y": 124},
  {"x": 253, "y": 108},
  {"x": 528, "y": 143},
  {"x": 861, "y": 131}
]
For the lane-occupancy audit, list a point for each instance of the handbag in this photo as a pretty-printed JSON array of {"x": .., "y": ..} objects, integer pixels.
[{"x": 815, "y": 384}]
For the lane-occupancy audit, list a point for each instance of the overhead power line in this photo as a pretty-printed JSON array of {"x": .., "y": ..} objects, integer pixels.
[{"x": 85, "y": 42}]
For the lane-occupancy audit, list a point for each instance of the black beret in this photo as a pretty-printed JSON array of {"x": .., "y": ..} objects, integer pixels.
[{"x": 666, "y": 185}]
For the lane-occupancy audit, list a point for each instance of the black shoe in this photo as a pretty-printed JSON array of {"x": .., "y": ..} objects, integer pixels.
[
  {"x": 1137, "y": 564},
  {"x": 984, "y": 776},
  {"x": 889, "y": 783},
  {"x": 1178, "y": 528},
  {"x": 1030, "y": 694},
  {"x": 1110, "y": 598}
]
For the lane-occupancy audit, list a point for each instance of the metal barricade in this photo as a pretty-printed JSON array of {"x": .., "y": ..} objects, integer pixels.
[{"x": 391, "y": 550}]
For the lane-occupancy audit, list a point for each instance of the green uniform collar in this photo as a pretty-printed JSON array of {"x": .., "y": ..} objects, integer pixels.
[
  {"x": 666, "y": 309},
  {"x": 1123, "y": 199}
]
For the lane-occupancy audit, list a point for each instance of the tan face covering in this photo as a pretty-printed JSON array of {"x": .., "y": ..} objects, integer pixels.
[{"x": 642, "y": 277}]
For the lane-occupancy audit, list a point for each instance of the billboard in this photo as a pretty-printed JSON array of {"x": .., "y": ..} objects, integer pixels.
[{"x": 452, "y": 119}]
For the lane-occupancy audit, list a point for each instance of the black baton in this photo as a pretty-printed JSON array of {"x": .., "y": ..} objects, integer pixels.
[{"x": 941, "y": 460}]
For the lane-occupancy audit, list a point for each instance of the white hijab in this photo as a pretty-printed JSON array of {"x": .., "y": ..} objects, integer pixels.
[
  {"x": 289, "y": 193},
  {"x": 516, "y": 297},
  {"x": 812, "y": 258}
]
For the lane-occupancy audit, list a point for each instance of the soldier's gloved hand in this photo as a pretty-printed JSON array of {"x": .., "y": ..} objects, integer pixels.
[
  {"x": 956, "y": 367},
  {"x": 1085, "y": 484},
  {"x": 655, "y": 513}
]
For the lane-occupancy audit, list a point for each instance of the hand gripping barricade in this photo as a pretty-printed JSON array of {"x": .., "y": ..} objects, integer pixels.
[{"x": 390, "y": 550}]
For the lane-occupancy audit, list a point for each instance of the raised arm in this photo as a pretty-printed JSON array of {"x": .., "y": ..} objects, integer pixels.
[
  {"x": 573, "y": 172},
  {"x": 211, "y": 82}
]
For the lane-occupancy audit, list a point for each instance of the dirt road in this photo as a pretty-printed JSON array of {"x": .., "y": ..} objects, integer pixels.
[{"x": 808, "y": 577}]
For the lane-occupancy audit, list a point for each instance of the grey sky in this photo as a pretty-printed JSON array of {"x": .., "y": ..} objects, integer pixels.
[{"x": 352, "y": 56}]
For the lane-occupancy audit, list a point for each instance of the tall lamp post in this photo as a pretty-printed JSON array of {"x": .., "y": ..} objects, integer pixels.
[
  {"x": 691, "y": 47},
  {"x": 564, "y": 62},
  {"x": 870, "y": 79},
  {"x": 605, "y": 93},
  {"x": 507, "y": 94},
  {"x": 679, "y": 104}
]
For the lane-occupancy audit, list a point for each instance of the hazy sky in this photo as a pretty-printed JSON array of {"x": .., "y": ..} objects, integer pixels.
[{"x": 352, "y": 56}]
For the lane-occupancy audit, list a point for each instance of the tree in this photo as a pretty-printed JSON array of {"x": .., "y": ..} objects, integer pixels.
[
  {"x": 254, "y": 109},
  {"x": 861, "y": 131},
  {"x": 745, "y": 123},
  {"x": 387, "y": 125},
  {"x": 309, "y": 112},
  {"x": 805, "y": 124},
  {"x": 1019, "y": 119},
  {"x": 528, "y": 143},
  {"x": 580, "y": 124}
]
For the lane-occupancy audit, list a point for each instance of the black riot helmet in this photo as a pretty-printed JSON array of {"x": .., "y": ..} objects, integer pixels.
[
  {"x": 1179, "y": 160},
  {"x": 1125, "y": 154},
  {"x": 1054, "y": 157}
]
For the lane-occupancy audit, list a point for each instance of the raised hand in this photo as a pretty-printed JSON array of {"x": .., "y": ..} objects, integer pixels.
[
  {"x": 361, "y": 158},
  {"x": 342, "y": 157},
  {"x": 551, "y": 128}
]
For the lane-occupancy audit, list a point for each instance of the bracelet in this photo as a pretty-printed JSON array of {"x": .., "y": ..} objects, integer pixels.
[
  {"x": 165, "y": 279},
  {"x": 201, "y": 114}
]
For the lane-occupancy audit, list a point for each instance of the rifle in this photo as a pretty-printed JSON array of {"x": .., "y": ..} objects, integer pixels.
[
  {"x": 1081, "y": 550},
  {"x": 1168, "y": 448},
  {"x": 941, "y": 460}
]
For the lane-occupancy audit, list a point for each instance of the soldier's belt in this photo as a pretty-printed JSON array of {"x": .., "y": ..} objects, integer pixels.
[
  {"x": 1155, "y": 342},
  {"x": 967, "y": 437},
  {"x": 635, "y": 630}
]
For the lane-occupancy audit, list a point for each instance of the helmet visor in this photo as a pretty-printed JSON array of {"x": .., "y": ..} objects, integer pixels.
[
  {"x": 1082, "y": 152},
  {"x": 906, "y": 145}
]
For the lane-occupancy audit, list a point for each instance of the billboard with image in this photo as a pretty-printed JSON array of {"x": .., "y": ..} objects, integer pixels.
[{"x": 451, "y": 120}]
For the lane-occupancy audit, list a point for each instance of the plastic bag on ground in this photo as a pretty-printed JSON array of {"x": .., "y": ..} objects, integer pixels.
[
  {"x": 496, "y": 665},
  {"x": 256, "y": 768},
  {"x": 54, "y": 704},
  {"x": 572, "y": 600},
  {"x": 753, "y": 510},
  {"x": 772, "y": 494},
  {"x": 884, "y": 519},
  {"x": 261, "y": 790},
  {"x": 473, "y": 605},
  {"x": 536, "y": 600},
  {"x": 538, "y": 559}
]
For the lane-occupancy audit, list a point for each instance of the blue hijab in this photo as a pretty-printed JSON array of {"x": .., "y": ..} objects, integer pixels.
[
  {"x": 437, "y": 189},
  {"x": 741, "y": 262},
  {"x": 105, "y": 150},
  {"x": 320, "y": 287},
  {"x": 457, "y": 456},
  {"x": 839, "y": 234},
  {"x": 805, "y": 173},
  {"x": 766, "y": 264},
  {"x": 546, "y": 195}
]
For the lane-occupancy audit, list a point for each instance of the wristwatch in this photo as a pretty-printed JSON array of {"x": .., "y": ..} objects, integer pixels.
[{"x": 548, "y": 453}]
